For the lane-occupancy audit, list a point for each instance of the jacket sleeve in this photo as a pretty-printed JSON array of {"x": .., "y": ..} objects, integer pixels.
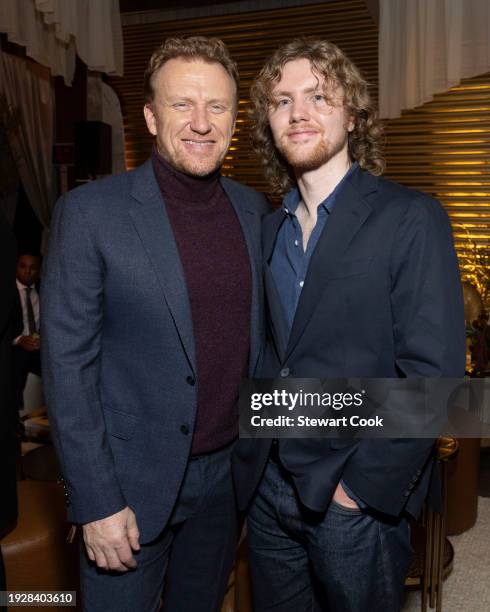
[
  {"x": 72, "y": 299},
  {"x": 7, "y": 275},
  {"x": 8, "y": 411},
  {"x": 429, "y": 336}
]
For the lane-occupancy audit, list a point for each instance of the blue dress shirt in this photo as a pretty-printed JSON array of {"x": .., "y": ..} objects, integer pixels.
[{"x": 289, "y": 262}]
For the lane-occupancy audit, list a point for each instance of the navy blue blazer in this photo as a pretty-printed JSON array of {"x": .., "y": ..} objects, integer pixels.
[
  {"x": 382, "y": 298},
  {"x": 119, "y": 363}
]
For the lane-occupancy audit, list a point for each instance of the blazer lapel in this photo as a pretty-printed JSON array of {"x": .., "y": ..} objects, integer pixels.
[
  {"x": 348, "y": 215},
  {"x": 151, "y": 221},
  {"x": 250, "y": 224},
  {"x": 270, "y": 226},
  {"x": 277, "y": 319}
]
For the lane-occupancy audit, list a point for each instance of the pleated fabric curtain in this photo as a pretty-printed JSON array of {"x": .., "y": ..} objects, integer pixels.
[
  {"x": 428, "y": 46},
  {"x": 27, "y": 86},
  {"x": 53, "y": 32}
]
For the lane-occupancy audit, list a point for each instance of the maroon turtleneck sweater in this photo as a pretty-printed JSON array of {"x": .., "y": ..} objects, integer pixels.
[{"x": 216, "y": 266}]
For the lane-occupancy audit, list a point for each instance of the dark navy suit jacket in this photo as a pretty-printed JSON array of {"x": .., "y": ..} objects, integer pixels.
[
  {"x": 118, "y": 347},
  {"x": 382, "y": 298}
]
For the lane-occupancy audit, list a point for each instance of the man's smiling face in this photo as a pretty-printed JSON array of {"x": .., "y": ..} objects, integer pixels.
[
  {"x": 310, "y": 128},
  {"x": 192, "y": 114}
]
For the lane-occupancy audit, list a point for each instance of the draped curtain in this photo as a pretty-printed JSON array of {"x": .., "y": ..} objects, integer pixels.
[
  {"x": 28, "y": 87},
  {"x": 103, "y": 105},
  {"x": 427, "y": 47},
  {"x": 53, "y": 32}
]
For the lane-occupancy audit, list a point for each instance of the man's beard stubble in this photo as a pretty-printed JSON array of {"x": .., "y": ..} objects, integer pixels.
[
  {"x": 302, "y": 161},
  {"x": 193, "y": 168},
  {"x": 187, "y": 165}
]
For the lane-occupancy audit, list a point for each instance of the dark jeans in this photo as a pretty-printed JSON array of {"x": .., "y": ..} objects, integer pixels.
[
  {"x": 344, "y": 560},
  {"x": 190, "y": 561}
]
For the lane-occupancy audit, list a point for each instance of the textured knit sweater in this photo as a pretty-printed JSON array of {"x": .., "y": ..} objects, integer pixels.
[{"x": 216, "y": 266}]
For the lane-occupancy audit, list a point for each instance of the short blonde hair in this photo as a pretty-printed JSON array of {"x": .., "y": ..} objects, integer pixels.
[{"x": 194, "y": 47}]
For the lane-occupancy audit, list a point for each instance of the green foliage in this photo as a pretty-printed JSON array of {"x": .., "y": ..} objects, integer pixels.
[{"x": 475, "y": 266}]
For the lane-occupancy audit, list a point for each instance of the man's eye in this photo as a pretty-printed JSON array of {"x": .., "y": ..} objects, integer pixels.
[
  {"x": 218, "y": 108},
  {"x": 283, "y": 102},
  {"x": 319, "y": 98},
  {"x": 182, "y": 106}
]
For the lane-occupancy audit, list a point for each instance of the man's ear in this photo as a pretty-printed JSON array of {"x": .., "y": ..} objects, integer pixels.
[{"x": 151, "y": 123}]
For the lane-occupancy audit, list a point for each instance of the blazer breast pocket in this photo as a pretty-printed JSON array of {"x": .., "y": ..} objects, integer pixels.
[
  {"x": 350, "y": 267},
  {"x": 119, "y": 424}
]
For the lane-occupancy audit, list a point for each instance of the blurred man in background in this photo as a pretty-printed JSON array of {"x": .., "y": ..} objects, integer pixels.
[{"x": 27, "y": 342}]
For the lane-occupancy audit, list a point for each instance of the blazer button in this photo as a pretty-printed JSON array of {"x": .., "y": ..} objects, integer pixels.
[
  {"x": 190, "y": 381},
  {"x": 184, "y": 429},
  {"x": 285, "y": 372}
]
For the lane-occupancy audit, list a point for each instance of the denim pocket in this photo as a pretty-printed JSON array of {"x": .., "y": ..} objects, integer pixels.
[{"x": 344, "y": 509}]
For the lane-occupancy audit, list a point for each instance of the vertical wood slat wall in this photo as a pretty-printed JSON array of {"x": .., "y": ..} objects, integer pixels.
[
  {"x": 251, "y": 37},
  {"x": 443, "y": 148}
]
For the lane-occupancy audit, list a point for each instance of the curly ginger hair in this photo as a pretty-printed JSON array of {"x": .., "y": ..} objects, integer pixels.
[{"x": 335, "y": 69}]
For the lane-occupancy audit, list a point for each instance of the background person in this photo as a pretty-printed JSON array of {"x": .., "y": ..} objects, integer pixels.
[{"x": 27, "y": 341}]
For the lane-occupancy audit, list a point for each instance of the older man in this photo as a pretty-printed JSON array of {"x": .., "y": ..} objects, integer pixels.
[
  {"x": 362, "y": 281},
  {"x": 151, "y": 315}
]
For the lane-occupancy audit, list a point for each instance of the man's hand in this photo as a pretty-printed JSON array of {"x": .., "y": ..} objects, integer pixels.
[
  {"x": 29, "y": 343},
  {"x": 111, "y": 540},
  {"x": 341, "y": 497}
]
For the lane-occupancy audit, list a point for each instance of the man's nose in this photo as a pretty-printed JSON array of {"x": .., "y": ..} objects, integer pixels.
[
  {"x": 299, "y": 111},
  {"x": 200, "y": 120}
]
